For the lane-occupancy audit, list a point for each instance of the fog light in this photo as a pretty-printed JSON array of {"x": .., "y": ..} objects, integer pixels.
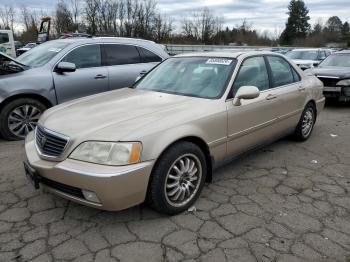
[{"x": 90, "y": 196}]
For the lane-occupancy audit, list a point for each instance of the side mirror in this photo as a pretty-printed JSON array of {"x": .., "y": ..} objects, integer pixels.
[
  {"x": 246, "y": 92},
  {"x": 65, "y": 67}
]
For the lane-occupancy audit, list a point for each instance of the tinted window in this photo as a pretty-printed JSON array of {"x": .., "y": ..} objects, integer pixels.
[
  {"x": 4, "y": 38},
  {"x": 281, "y": 71},
  {"x": 85, "y": 56},
  {"x": 253, "y": 72},
  {"x": 148, "y": 56},
  {"x": 121, "y": 55}
]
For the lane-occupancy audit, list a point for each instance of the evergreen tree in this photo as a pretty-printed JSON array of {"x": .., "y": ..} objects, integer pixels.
[
  {"x": 297, "y": 26},
  {"x": 346, "y": 33}
]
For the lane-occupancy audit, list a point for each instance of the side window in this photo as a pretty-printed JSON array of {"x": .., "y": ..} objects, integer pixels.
[
  {"x": 85, "y": 56},
  {"x": 322, "y": 55},
  {"x": 121, "y": 54},
  {"x": 4, "y": 38},
  {"x": 296, "y": 76},
  {"x": 148, "y": 56},
  {"x": 252, "y": 72},
  {"x": 281, "y": 71}
]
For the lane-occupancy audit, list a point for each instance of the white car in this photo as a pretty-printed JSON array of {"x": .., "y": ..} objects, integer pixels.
[
  {"x": 308, "y": 58},
  {"x": 26, "y": 48}
]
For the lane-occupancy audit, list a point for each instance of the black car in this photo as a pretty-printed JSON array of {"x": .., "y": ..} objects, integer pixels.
[{"x": 334, "y": 72}]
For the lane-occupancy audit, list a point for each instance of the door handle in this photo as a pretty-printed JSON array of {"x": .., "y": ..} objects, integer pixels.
[
  {"x": 143, "y": 72},
  {"x": 99, "y": 76},
  {"x": 301, "y": 88},
  {"x": 271, "y": 96}
]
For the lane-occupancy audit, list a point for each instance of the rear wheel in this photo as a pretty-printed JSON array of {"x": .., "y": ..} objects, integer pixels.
[
  {"x": 19, "y": 117},
  {"x": 306, "y": 123},
  {"x": 177, "y": 179}
]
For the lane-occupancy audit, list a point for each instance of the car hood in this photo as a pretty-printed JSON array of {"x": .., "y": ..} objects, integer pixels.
[
  {"x": 305, "y": 62},
  {"x": 9, "y": 65},
  {"x": 112, "y": 115},
  {"x": 340, "y": 72}
]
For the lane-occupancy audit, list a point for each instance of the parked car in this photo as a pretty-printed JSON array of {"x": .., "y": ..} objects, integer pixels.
[
  {"x": 25, "y": 48},
  {"x": 61, "y": 70},
  {"x": 308, "y": 58},
  {"x": 161, "y": 139},
  {"x": 334, "y": 72},
  {"x": 7, "y": 43}
]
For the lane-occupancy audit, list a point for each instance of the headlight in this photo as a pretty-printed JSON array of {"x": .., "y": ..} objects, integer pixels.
[
  {"x": 345, "y": 82},
  {"x": 108, "y": 153}
]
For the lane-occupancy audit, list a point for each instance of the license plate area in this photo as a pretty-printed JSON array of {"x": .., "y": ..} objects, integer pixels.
[
  {"x": 332, "y": 89},
  {"x": 31, "y": 175}
]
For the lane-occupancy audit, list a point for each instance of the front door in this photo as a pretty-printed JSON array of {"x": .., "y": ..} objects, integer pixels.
[
  {"x": 89, "y": 78},
  {"x": 252, "y": 122}
]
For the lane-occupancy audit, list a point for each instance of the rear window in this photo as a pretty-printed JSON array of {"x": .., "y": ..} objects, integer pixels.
[
  {"x": 121, "y": 54},
  {"x": 4, "y": 38}
]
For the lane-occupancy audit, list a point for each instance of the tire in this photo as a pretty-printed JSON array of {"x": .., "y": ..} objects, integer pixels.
[
  {"x": 160, "y": 194},
  {"x": 306, "y": 123},
  {"x": 23, "y": 111}
]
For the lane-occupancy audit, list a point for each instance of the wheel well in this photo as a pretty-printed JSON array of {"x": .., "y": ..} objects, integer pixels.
[
  {"x": 40, "y": 98},
  {"x": 314, "y": 105},
  {"x": 204, "y": 147}
]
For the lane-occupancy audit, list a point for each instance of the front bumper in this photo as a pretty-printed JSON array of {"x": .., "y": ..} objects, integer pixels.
[
  {"x": 117, "y": 188},
  {"x": 337, "y": 92}
]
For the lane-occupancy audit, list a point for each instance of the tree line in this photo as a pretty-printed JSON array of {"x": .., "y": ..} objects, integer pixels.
[
  {"x": 298, "y": 30},
  {"x": 142, "y": 19}
]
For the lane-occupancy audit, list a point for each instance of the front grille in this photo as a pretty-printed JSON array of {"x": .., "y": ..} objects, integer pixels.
[
  {"x": 329, "y": 81},
  {"x": 70, "y": 190},
  {"x": 49, "y": 143}
]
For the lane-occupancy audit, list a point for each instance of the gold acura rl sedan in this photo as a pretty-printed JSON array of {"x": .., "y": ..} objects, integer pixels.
[{"x": 159, "y": 140}]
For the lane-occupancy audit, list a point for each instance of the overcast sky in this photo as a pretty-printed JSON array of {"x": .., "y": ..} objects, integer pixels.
[{"x": 262, "y": 14}]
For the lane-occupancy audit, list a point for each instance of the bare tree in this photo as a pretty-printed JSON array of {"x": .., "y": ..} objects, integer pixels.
[
  {"x": 7, "y": 17},
  {"x": 91, "y": 14},
  {"x": 63, "y": 18}
]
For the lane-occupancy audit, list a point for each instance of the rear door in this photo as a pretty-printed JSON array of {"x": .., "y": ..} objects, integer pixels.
[
  {"x": 89, "y": 78},
  {"x": 288, "y": 89},
  {"x": 124, "y": 64}
]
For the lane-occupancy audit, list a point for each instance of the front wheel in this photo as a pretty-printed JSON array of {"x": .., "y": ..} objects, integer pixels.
[
  {"x": 306, "y": 123},
  {"x": 19, "y": 117},
  {"x": 177, "y": 179}
]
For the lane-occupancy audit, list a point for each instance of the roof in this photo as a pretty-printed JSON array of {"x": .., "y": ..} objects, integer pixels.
[
  {"x": 343, "y": 52},
  {"x": 310, "y": 49},
  {"x": 225, "y": 54},
  {"x": 105, "y": 39}
]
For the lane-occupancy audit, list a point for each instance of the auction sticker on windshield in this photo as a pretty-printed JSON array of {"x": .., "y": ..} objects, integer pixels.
[{"x": 219, "y": 61}]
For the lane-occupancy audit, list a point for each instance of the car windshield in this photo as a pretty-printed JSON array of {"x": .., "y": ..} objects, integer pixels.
[
  {"x": 302, "y": 55},
  {"x": 203, "y": 77},
  {"x": 41, "y": 54},
  {"x": 337, "y": 60}
]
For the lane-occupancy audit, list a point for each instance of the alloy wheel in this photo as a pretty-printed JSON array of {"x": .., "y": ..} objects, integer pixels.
[
  {"x": 183, "y": 180},
  {"x": 308, "y": 122},
  {"x": 23, "y": 120}
]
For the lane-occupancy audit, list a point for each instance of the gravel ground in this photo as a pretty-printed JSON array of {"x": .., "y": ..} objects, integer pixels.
[{"x": 287, "y": 202}]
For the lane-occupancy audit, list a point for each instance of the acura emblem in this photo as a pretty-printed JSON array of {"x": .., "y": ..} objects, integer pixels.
[{"x": 42, "y": 141}]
